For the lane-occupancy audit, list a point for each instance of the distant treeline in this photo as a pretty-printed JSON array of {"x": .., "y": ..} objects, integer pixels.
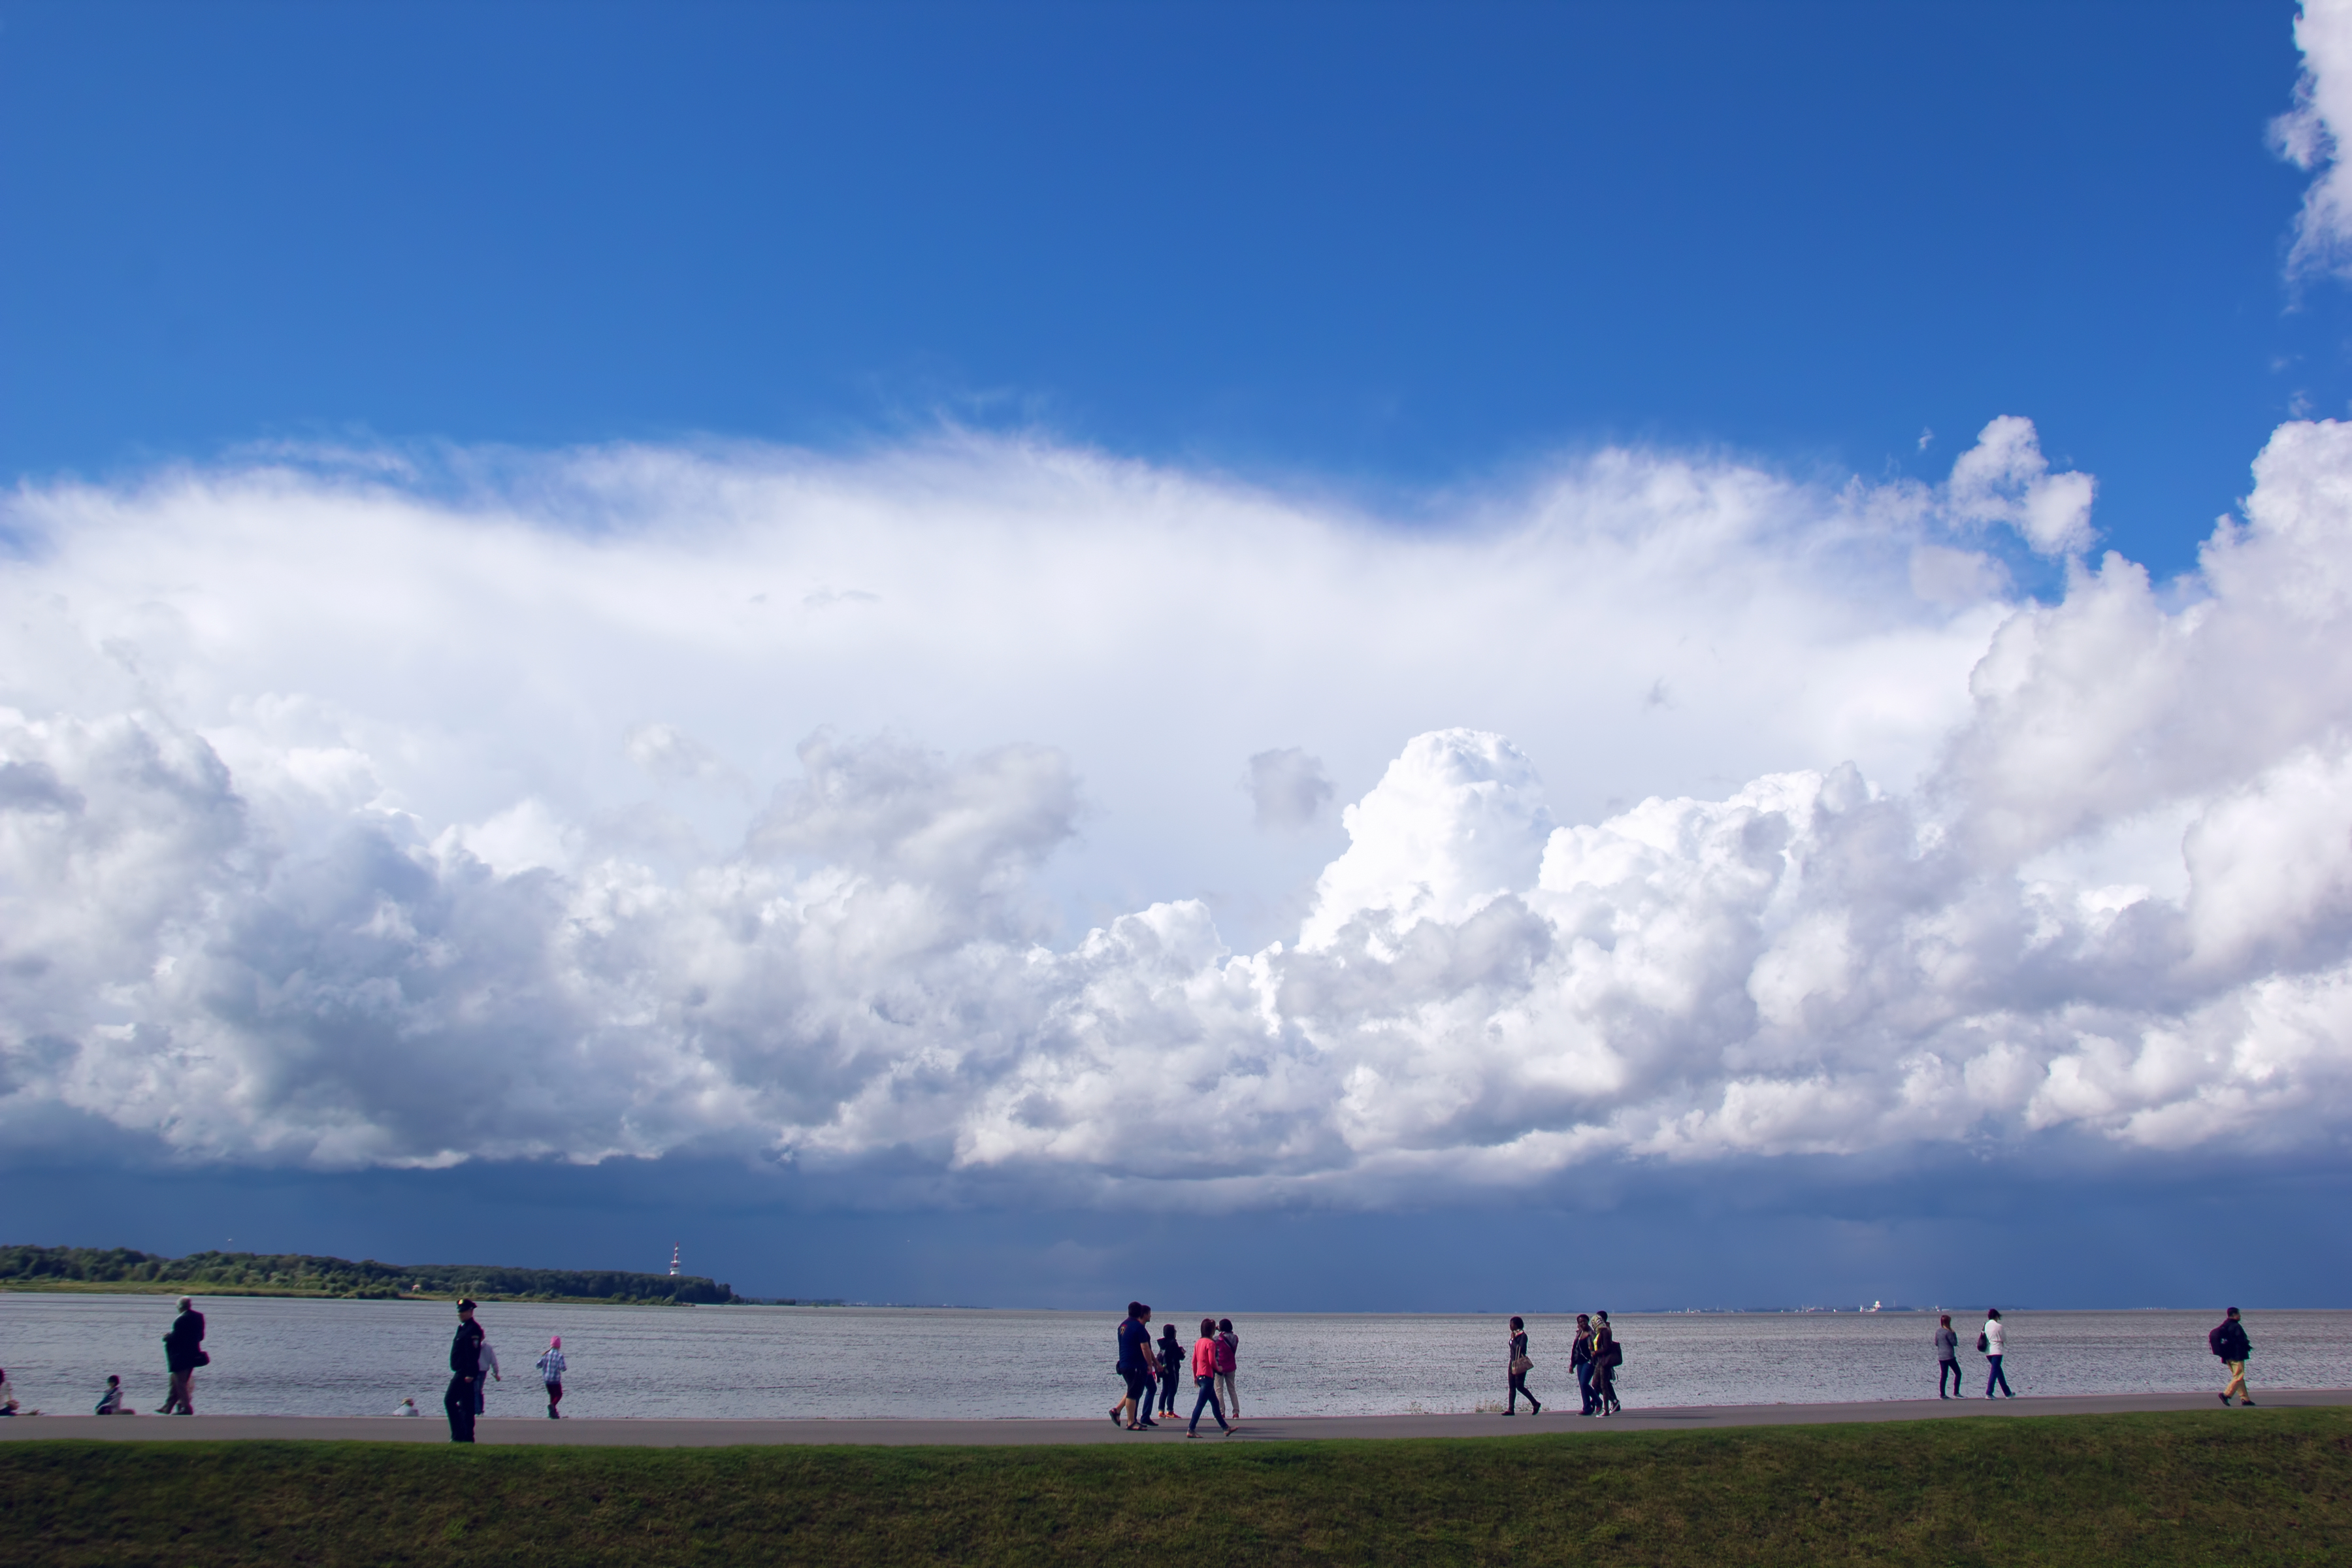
[{"x": 299, "y": 1274}]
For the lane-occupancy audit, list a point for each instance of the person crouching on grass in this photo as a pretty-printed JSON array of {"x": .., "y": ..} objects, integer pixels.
[{"x": 1204, "y": 1378}]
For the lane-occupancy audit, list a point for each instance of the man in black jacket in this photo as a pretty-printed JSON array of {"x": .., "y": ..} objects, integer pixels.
[
  {"x": 183, "y": 1352},
  {"x": 465, "y": 1366},
  {"x": 2229, "y": 1341}
]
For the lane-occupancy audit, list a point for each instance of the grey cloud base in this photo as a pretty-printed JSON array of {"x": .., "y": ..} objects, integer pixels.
[{"x": 2120, "y": 903}]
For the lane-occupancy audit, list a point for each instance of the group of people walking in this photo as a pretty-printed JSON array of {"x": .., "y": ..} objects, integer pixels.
[
  {"x": 2227, "y": 1340},
  {"x": 1155, "y": 1370},
  {"x": 1594, "y": 1358},
  {"x": 1992, "y": 1343}
]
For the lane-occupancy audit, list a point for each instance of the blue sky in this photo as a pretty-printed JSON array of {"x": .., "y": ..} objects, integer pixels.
[
  {"x": 1372, "y": 246},
  {"x": 911, "y": 643}
]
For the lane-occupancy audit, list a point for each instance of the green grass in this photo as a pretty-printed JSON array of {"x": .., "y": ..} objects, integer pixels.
[{"x": 2240, "y": 1486}]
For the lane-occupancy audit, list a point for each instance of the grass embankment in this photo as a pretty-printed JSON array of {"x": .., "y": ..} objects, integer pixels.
[{"x": 2255, "y": 1486}]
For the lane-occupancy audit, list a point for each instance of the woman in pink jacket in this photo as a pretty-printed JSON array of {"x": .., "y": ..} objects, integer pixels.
[{"x": 1204, "y": 1378}]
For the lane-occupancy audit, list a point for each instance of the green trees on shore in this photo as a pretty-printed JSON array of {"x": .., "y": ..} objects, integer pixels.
[{"x": 299, "y": 1274}]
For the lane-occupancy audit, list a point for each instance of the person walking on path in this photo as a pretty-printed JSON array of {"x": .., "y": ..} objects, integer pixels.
[
  {"x": 1580, "y": 1360},
  {"x": 489, "y": 1365},
  {"x": 465, "y": 1370},
  {"x": 2229, "y": 1341},
  {"x": 1605, "y": 1357},
  {"x": 1204, "y": 1378},
  {"x": 1948, "y": 1358},
  {"x": 1134, "y": 1364},
  {"x": 1171, "y": 1368},
  {"x": 1993, "y": 1341},
  {"x": 1516, "y": 1369},
  {"x": 1150, "y": 1379},
  {"x": 111, "y": 1403},
  {"x": 551, "y": 1373},
  {"x": 183, "y": 1352},
  {"x": 1228, "y": 1349}
]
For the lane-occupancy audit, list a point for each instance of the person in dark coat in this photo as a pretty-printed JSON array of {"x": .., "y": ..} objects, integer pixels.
[
  {"x": 1515, "y": 1370},
  {"x": 2229, "y": 1341},
  {"x": 1580, "y": 1360},
  {"x": 1171, "y": 1366},
  {"x": 465, "y": 1369},
  {"x": 183, "y": 1352},
  {"x": 1605, "y": 1357}
]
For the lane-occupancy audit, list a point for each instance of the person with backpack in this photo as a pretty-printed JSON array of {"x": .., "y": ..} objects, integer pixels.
[
  {"x": 1607, "y": 1356},
  {"x": 1517, "y": 1368},
  {"x": 1228, "y": 1349},
  {"x": 1948, "y": 1358},
  {"x": 1994, "y": 1342},
  {"x": 1204, "y": 1378},
  {"x": 551, "y": 1372},
  {"x": 1580, "y": 1360},
  {"x": 2227, "y": 1340},
  {"x": 183, "y": 1352}
]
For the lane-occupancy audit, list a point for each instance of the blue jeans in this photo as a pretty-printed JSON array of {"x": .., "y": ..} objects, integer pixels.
[
  {"x": 1143, "y": 1411},
  {"x": 1584, "y": 1383},
  {"x": 1952, "y": 1367},
  {"x": 1995, "y": 1376},
  {"x": 1208, "y": 1401}
]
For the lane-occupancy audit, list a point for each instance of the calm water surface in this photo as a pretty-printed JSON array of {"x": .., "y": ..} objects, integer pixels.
[{"x": 341, "y": 1358}]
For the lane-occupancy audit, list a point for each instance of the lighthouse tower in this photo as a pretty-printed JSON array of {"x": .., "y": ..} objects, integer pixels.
[{"x": 673, "y": 1260}]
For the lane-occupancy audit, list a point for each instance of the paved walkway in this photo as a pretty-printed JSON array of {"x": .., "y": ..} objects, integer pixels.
[{"x": 663, "y": 1433}]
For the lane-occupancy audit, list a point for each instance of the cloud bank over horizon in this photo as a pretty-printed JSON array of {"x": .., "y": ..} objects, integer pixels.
[{"x": 350, "y": 817}]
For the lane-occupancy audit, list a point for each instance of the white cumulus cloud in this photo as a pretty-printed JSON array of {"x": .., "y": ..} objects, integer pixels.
[
  {"x": 2308, "y": 135},
  {"x": 325, "y": 838}
]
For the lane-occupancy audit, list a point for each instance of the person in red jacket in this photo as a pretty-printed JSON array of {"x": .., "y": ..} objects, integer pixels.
[{"x": 1204, "y": 1378}]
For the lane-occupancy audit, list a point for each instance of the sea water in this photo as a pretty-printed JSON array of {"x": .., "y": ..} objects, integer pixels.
[{"x": 344, "y": 1358}]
